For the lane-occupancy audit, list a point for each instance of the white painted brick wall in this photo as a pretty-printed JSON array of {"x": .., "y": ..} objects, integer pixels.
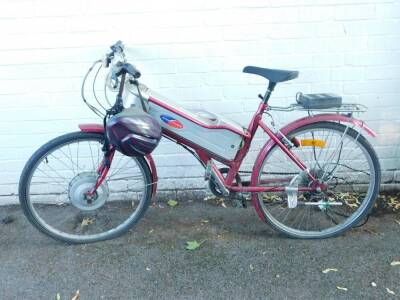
[{"x": 193, "y": 52}]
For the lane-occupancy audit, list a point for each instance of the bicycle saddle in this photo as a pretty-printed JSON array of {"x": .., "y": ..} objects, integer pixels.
[{"x": 271, "y": 74}]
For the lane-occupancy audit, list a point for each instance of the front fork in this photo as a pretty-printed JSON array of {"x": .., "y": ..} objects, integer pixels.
[{"x": 102, "y": 172}]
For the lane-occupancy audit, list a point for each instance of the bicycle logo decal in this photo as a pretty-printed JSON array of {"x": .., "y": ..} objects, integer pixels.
[{"x": 172, "y": 122}]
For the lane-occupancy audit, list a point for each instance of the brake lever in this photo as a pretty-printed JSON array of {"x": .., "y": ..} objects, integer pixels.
[
  {"x": 114, "y": 80},
  {"x": 107, "y": 59},
  {"x": 117, "y": 47}
]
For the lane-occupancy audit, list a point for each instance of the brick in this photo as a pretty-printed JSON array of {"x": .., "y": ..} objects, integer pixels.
[
  {"x": 387, "y": 177},
  {"x": 315, "y": 14},
  {"x": 388, "y": 10},
  {"x": 328, "y": 60},
  {"x": 397, "y": 176},
  {"x": 195, "y": 65},
  {"x": 347, "y": 73},
  {"x": 389, "y": 163},
  {"x": 361, "y": 11},
  {"x": 224, "y": 78},
  {"x": 190, "y": 80},
  {"x": 386, "y": 72},
  {"x": 372, "y": 87},
  {"x": 370, "y": 27},
  {"x": 158, "y": 67},
  {"x": 17, "y": 9},
  {"x": 385, "y": 42},
  {"x": 372, "y": 58}
]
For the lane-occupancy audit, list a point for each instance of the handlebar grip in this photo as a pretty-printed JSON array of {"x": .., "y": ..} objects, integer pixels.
[
  {"x": 126, "y": 68},
  {"x": 131, "y": 69}
]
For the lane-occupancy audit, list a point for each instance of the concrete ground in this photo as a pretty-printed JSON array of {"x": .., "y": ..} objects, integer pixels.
[{"x": 241, "y": 258}]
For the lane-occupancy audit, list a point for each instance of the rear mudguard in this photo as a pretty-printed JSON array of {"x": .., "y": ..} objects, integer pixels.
[
  {"x": 292, "y": 126},
  {"x": 98, "y": 128}
]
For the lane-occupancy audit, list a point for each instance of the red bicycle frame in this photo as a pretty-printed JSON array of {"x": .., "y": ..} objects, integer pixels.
[{"x": 234, "y": 165}]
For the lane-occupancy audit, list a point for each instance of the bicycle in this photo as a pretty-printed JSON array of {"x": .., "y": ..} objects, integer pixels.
[{"x": 314, "y": 178}]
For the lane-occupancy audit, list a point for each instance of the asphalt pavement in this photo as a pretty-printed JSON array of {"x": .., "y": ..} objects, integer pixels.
[{"x": 240, "y": 258}]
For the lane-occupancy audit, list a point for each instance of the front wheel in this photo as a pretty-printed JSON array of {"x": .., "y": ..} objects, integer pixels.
[
  {"x": 342, "y": 160},
  {"x": 56, "y": 178}
]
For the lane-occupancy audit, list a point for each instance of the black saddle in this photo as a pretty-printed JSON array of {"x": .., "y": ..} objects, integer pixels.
[{"x": 271, "y": 74}]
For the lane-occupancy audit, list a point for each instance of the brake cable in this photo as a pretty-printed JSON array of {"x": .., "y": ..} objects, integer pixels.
[
  {"x": 142, "y": 102},
  {"x": 93, "y": 108}
]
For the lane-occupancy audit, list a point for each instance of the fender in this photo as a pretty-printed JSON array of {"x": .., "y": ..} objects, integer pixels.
[
  {"x": 292, "y": 126},
  {"x": 98, "y": 128}
]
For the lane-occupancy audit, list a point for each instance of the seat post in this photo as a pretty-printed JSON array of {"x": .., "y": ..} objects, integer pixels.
[{"x": 271, "y": 86}]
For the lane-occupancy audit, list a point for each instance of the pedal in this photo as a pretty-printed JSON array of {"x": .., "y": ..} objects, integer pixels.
[
  {"x": 239, "y": 201},
  {"x": 291, "y": 192}
]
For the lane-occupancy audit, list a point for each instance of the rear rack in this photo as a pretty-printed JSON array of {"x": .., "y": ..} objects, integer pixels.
[{"x": 344, "y": 108}]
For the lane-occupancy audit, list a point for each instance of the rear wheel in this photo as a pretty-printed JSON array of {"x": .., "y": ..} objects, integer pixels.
[
  {"x": 56, "y": 178},
  {"x": 337, "y": 156}
]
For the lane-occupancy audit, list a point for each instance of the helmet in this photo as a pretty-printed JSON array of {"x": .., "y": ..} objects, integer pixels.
[{"x": 133, "y": 132}]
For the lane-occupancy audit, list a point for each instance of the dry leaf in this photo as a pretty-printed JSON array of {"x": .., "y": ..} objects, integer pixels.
[
  {"x": 7, "y": 220},
  {"x": 395, "y": 263},
  {"x": 86, "y": 222},
  {"x": 329, "y": 270},
  {"x": 373, "y": 284},
  {"x": 76, "y": 296},
  {"x": 209, "y": 198},
  {"x": 390, "y": 291},
  {"x": 223, "y": 205},
  {"x": 341, "y": 288},
  {"x": 371, "y": 231}
]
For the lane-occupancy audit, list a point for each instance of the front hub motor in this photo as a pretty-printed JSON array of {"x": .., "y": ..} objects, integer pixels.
[{"x": 79, "y": 187}]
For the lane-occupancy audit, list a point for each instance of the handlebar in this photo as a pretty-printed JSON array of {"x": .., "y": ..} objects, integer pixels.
[
  {"x": 128, "y": 69},
  {"x": 121, "y": 67},
  {"x": 116, "y": 78}
]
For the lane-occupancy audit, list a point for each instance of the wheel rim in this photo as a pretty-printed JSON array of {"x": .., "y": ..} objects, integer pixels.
[
  {"x": 54, "y": 191},
  {"x": 326, "y": 219}
]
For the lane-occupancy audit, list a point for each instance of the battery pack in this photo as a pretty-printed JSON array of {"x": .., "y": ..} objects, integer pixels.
[{"x": 319, "y": 101}]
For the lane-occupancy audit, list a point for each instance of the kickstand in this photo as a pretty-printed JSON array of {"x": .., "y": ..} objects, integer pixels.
[
  {"x": 238, "y": 200},
  {"x": 364, "y": 222}
]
